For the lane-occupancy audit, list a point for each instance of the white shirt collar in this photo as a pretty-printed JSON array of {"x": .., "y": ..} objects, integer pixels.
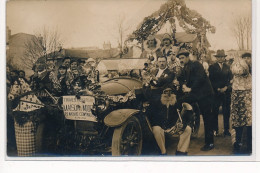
[
  {"x": 220, "y": 64},
  {"x": 160, "y": 72}
]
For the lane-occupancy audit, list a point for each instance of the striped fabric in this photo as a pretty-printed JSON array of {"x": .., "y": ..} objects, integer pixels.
[{"x": 26, "y": 138}]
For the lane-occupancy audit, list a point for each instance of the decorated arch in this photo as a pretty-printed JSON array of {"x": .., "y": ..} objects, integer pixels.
[{"x": 190, "y": 20}]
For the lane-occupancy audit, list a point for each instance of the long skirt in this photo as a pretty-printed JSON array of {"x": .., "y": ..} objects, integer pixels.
[
  {"x": 26, "y": 138},
  {"x": 28, "y": 129},
  {"x": 241, "y": 108}
]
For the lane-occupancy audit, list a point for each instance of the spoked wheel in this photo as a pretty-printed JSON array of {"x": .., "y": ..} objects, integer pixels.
[
  {"x": 128, "y": 139},
  {"x": 196, "y": 121}
]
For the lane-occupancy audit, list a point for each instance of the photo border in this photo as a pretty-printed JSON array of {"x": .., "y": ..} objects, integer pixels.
[{"x": 254, "y": 157}]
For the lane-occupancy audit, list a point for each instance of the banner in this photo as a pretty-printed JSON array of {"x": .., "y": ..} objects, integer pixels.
[{"x": 78, "y": 109}]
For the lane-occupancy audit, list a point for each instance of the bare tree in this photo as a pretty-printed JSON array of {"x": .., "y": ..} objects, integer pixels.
[
  {"x": 241, "y": 29},
  {"x": 248, "y": 30},
  {"x": 122, "y": 29},
  {"x": 44, "y": 44}
]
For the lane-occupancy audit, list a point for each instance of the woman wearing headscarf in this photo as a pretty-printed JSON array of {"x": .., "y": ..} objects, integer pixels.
[{"x": 241, "y": 101}]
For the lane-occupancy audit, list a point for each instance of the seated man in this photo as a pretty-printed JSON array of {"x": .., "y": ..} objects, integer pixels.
[{"x": 165, "y": 119}]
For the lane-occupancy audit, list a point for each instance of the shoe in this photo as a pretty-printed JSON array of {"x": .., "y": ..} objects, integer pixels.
[
  {"x": 207, "y": 147},
  {"x": 179, "y": 153},
  {"x": 227, "y": 133},
  {"x": 163, "y": 154},
  {"x": 237, "y": 148}
]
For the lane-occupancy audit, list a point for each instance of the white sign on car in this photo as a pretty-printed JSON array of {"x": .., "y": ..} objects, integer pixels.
[{"x": 78, "y": 109}]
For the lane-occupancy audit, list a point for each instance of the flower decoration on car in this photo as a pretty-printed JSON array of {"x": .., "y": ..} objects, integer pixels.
[{"x": 122, "y": 98}]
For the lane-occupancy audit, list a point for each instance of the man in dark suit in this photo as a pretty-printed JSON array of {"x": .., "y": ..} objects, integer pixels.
[
  {"x": 197, "y": 88},
  {"x": 220, "y": 76}
]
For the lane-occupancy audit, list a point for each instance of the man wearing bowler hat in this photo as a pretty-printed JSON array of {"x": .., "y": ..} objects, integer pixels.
[
  {"x": 197, "y": 88},
  {"x": 220, "y": 76}
]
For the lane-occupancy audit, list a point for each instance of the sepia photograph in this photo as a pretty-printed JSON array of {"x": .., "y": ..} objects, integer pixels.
[{"x": 129, "y": 78}]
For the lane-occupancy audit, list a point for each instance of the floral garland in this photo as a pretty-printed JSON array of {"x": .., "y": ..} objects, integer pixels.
[
  {"x": 190, "y": 20},
  {"x": 122, "y": 99},
  {"x": 35, "y": 116}
]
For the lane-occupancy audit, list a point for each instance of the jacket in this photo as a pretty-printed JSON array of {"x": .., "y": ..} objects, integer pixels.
[
  {"x": 220, "y": 78},
  {"x": 165, "y": 80},
  {"x": 195, "y": 77}
]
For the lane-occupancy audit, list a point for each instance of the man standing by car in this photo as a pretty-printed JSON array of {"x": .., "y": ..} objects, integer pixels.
[
  {"x": 220, "y": 76},
  {"x": 196, "y": 84}
]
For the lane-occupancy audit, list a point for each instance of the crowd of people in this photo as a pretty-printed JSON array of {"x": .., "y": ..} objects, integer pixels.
[
  {"x": 33, "y": 96},
  {"x": 172, "y": 81},
  {"x": 220, "y": 83}
]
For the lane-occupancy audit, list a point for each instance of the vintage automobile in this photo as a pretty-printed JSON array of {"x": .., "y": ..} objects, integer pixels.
[{"x": 111, "y": 119}]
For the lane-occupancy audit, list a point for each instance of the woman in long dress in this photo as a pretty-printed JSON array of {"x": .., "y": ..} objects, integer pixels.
[
  {"x": 241, "y": 101},
  {"x": 28, "y": 117}
]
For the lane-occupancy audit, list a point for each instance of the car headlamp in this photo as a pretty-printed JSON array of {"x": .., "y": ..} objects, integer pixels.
[{"x": 102, "y": 106}]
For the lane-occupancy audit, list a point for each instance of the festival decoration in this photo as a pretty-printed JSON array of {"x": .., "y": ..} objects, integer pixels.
[
  {"x": 190, "y": 20},
  {"x": 122, "y": 98}
]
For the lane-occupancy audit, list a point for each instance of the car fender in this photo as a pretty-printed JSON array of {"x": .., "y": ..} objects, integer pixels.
[{"x": 118, "y": 117}]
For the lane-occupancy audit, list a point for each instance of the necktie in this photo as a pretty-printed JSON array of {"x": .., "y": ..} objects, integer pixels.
[{"x": 221, "y": 66}]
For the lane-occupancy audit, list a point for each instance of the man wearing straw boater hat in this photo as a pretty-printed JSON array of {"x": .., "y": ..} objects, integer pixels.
[
  {"x": 220, "y": 76},
  {"x": 197, "y": 88}
]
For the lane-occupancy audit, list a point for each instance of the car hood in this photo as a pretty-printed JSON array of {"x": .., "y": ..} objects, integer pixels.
[{"x": 120, "y": 85}]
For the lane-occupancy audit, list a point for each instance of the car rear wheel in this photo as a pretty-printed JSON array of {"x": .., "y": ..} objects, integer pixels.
[
  {"x": 196, "y": 121},
  {"x": 127, "y": 139}
]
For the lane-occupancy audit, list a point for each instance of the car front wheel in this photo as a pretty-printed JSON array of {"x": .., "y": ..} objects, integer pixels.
[{"x": 127, "y": 139}]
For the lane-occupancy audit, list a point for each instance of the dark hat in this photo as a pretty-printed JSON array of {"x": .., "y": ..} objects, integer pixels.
[
  {"x": 167, "y": 90},
  {"x": 66, "y": 58},
  {"x": 247, "y": 54},
  {"x": 183, "y": 52},
  {"x": 167, "y": 36},
  {"x": 73, "y": 60},
  {"x": 81, "y": 61},
  {"x": 220, "y": 53},
  {"x": 62, "y": 67}
]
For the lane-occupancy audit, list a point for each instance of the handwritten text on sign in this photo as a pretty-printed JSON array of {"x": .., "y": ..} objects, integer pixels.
[{"x": 78, "y": 109}]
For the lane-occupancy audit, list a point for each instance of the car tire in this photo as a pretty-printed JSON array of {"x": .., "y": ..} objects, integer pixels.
[
  {"x": 196, "y": 121},
  {"x": 127, "y": 139}
]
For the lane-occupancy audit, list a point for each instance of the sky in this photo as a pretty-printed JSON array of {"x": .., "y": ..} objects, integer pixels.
[{"x": 84, "y": 23}]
